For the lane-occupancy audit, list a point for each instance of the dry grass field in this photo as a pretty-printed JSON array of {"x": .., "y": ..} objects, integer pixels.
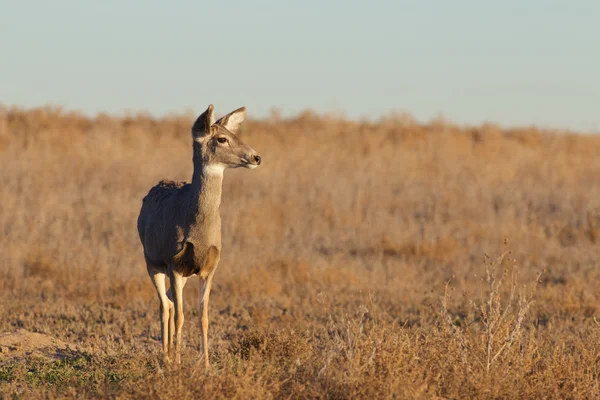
[{"x": 361, "y": 260}]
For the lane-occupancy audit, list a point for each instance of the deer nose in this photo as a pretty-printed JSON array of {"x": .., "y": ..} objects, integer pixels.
[{"x": 257, "y": 159}]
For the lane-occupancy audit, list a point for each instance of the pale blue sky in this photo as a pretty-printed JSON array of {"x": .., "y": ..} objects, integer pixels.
[{"x": 512, "y": 62}]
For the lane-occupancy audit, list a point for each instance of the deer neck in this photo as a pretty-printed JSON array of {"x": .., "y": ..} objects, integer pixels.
[{"x": 207, "y": 186}]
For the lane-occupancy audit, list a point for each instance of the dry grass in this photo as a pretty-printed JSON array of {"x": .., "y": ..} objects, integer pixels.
[{"x": 339, "y": 252}]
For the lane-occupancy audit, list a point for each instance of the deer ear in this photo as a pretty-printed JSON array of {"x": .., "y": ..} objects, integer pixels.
[
  {"x": 233, "y": 120},
  {"x": 201, "y": 127}
]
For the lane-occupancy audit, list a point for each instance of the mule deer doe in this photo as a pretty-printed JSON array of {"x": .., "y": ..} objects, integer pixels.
[{"x": 180, "y": 225}]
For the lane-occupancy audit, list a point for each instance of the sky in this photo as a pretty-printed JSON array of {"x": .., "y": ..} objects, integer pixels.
[{"x": 512, "y": 62}]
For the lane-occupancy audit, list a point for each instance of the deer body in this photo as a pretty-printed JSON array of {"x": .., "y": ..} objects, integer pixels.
[
  {"x": 180, "y": 225},
  {"x": 176, "y": 213}
]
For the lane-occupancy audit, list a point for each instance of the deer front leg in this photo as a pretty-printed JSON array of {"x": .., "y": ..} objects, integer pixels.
[
  {"x": 205, "y": 295},
  {"x": 171, "y": 320},
  {"x": 206, "y": 274}
]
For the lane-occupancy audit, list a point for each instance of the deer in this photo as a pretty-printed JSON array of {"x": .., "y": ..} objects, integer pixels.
[{"x": 179, "y": 224}]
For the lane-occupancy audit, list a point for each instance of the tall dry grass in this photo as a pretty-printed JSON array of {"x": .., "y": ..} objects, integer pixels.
[{"x": 336, "y": 256}]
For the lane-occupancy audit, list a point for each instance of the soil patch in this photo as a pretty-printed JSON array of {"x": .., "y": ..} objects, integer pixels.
[{"x": 22, "y": 344}]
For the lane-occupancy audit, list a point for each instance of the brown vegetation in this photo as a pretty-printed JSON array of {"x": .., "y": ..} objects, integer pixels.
[{"x": 354, "y": 261}]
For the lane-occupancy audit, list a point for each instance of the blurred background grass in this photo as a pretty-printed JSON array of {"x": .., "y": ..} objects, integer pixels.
[{"x": 335, "y": 256}]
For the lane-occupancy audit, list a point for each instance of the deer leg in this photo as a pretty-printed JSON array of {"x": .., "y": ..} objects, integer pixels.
[
  {"x": 158, "y": 279},
  {"x": 205, "y": 295},
  {"x": 171, "y": 319},
  {"x": 177, "y": 283},
  {"x": 206, "y": 274}
]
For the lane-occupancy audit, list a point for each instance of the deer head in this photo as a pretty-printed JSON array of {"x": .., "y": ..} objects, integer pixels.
[{"x": 217, "y": 145}]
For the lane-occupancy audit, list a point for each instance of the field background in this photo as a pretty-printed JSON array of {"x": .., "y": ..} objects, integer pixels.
[{"x": 336, "y": 255}]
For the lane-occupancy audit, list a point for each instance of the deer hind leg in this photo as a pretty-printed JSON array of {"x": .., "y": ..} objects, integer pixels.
[
  {"x": 158, "y": 276},
  {"x": 177, "y": 283}
]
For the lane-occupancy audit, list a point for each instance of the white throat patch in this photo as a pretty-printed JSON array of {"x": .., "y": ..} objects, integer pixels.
[{"x": 214, "y": 169}]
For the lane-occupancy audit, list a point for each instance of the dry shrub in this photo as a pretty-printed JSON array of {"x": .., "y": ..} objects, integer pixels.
[{"x": 492, "y": 340}]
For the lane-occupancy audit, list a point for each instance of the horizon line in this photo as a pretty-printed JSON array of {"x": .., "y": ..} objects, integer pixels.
[{"x": 279, "y": 114}]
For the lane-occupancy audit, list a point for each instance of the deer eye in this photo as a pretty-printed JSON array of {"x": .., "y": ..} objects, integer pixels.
[{"x": 222, "y": 140}]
